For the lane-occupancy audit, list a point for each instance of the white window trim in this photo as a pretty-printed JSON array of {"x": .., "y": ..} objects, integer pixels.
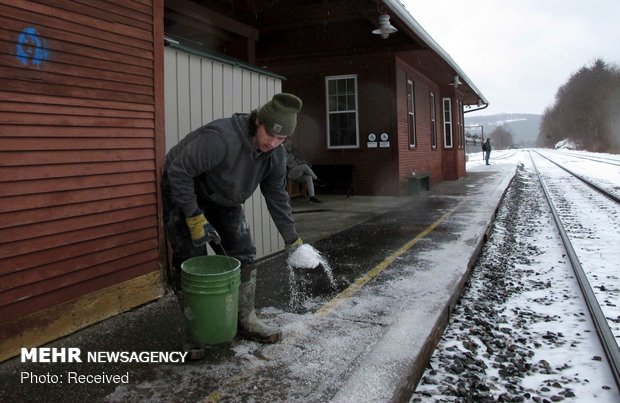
[
  {"x": 433, "y": 119},
  {"x": 447, "y": 122},
  {"x": 411, "y": 128},
  {"x": 462, "y": 129},
  {"x": 327, "y": 112}
]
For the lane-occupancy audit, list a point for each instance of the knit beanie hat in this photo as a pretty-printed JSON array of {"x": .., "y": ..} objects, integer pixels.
[{"x": 280, "y": 114}]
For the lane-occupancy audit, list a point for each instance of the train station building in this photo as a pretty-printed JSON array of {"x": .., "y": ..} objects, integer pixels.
[{"x": 94, "y": 95}]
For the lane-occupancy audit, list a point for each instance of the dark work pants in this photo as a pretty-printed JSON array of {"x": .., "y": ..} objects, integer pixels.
[{"x": 229, "y": 222}]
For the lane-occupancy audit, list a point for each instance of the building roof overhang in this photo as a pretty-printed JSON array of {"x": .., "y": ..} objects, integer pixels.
[
  {"x": 416, "y": 30},
  {"x": 271, "y": 32}
]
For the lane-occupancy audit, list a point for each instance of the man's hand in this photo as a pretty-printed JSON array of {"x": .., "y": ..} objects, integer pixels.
[
  {"x": 292, "y": 247},
  {"x": 211, "y": 234},
  {"x": 201, "y": 230}
]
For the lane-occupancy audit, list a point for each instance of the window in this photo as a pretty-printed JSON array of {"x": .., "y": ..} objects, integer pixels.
[
  {"x": 459, "y": 123},
  {"x": 462, "y": 114},
  {"x": 433, "y": 121},
  {"x": 447, "y": 122},
  {"x": 411, "y": 112},
  {"x": 342, "y": 125}
]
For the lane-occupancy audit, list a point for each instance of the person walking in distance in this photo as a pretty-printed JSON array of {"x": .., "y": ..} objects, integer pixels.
[
  {"x": 486, "y": 150},
  {"x": 208, "y": 176}
]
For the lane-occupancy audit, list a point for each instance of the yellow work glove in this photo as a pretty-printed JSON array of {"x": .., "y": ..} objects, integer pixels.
[
  {"x": 201, "y": 230},
  {"x": 292, "y": 247}
]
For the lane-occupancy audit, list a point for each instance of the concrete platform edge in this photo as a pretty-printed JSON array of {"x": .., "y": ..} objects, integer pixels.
[{"x": 378, "y": 378}]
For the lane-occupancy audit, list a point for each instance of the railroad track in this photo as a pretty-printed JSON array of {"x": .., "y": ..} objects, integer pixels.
[
  {"x": 605, "y": 163},
  {"x": 495, "y": 155},
  {"x": 590, "y": 232},
  {"x": 597, "y": 158},
  {"x": 504, "y": 154}
]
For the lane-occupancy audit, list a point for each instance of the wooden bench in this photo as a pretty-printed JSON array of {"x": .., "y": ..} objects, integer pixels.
[
  {"x": 418, "y": 181},
  {"x": 296, "y": 189}
]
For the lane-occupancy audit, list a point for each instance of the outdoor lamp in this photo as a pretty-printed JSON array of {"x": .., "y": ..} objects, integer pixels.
[
  {"x": 456, "y": 82},
  {"x": 385, "y": 28}
]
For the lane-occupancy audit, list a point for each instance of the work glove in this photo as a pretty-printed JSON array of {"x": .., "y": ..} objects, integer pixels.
[
  {"x": 201, "y": 230},
  {"x": 292, "y": 247}
]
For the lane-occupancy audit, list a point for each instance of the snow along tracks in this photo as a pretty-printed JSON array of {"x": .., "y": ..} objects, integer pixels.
[
  {"x": 588, "y": 218},
  {"x": 520, "y": 331}
]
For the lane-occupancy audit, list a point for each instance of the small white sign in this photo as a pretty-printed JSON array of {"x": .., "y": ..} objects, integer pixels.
[
  {"x": 371, "y": 144},
  {"x": 384, "y": 144}
]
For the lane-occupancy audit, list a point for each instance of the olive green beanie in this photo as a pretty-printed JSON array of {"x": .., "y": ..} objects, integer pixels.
[{"x": 280, "y": 114}]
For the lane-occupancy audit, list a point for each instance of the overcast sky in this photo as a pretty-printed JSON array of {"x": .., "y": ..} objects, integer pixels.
[{"x": 519, "y": 52}]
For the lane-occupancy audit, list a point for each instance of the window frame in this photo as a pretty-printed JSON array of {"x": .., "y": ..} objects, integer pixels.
[
  {"x": 328, "y": 113},
  {"x": 462, "y": 115},
  {"x": 460, "y": 123},
  {"x": 433, "y": 117},
  {"x": 411, "y": 121},
  {"x": 447, "y": 123}
]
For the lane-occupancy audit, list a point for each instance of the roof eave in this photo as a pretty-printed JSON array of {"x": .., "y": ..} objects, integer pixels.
[{"x": 403, "y": 14}]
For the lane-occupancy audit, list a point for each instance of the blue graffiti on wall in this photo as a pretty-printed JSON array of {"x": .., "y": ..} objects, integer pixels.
[{"x": 31, "y": 48}]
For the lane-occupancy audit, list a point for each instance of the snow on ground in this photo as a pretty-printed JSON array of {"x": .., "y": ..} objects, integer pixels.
[
  {"x": 594, "y": 235},
  {"x": 521, "y": 331},
  {"x": 608, "y": 177}
]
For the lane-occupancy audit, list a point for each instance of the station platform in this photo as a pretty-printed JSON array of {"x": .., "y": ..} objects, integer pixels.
[{"x": 360, "y": 330}]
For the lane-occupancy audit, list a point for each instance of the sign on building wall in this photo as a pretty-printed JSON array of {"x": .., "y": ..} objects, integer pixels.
[
  {"x": 384, "y": 140},
  {"x": 372, "y": 141}
]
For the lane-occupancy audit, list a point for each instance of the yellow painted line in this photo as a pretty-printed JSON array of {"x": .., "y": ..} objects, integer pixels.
[
  {"x": 375, "y": 271},
  {"x": 215, "y": 396}
]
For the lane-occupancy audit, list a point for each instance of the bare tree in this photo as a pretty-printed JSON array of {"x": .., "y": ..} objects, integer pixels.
[
  {"x": 585, "y": 110},
  {"x": 501, "y": 138}
]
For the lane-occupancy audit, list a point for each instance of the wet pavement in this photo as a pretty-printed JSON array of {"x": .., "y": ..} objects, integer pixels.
[{"x": 362, "y": 331}]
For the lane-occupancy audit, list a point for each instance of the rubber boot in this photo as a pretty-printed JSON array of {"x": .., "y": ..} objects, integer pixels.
[{"x": 249, "y": 326}]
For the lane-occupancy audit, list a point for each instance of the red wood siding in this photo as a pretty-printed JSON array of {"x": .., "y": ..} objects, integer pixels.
[{"x": 79, "y": 155}]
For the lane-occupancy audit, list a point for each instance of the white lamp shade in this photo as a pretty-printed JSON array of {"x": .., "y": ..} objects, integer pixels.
[{"x": 385, "y": 28}]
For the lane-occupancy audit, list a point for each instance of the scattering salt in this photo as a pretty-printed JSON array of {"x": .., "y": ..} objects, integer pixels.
[{"x": 305, "y": 257}]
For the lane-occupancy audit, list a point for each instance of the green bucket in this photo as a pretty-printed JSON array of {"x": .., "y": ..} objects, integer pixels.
[{"x": 211, "y": 298}]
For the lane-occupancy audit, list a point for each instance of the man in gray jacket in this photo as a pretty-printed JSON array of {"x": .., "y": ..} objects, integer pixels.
[{"x": 211, "y": 173}]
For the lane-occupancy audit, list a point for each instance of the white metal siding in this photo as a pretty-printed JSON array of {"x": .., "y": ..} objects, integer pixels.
[{"x": 199, "y": 90}]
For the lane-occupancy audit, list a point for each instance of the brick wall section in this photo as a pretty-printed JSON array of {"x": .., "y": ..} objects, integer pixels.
[{"x": 423, "y": 157}]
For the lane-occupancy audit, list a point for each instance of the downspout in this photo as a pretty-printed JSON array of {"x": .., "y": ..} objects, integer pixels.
[{"x": 484, "y": 106}]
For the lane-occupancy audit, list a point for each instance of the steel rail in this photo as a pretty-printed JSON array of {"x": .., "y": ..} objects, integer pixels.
[
  {"x": 604, "y": 332},
  {"x": 505, "y": 155},
  {"x": 497, "y": 155},
  {"x": 583, "y": 179},
  {"x": 602, "y": 160}
]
